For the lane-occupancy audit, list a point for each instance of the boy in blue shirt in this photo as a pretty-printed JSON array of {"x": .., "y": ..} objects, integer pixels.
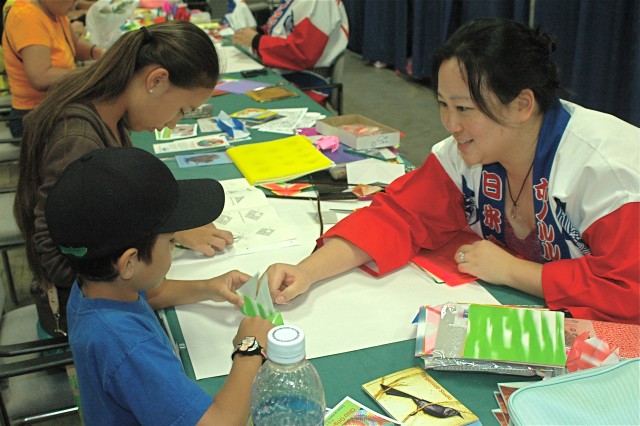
[{"x": 113, "y": 213}]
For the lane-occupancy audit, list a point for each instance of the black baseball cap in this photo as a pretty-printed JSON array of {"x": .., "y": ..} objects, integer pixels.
[{"x": 112, "y": 198}]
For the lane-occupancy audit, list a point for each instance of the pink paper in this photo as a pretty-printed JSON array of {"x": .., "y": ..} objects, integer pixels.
[
  {"x": 324, "y": 143},
  {"x": 589, "y": 352}
]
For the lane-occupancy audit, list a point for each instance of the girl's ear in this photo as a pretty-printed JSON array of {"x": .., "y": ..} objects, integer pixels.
[
  {"x": 526, "y": 105},
  {"x": 127, "y": 263},
  {"x": 157, "y": 79}
]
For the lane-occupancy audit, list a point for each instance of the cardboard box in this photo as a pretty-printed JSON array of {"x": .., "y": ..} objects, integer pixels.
[{"x": 331, "y": 127}]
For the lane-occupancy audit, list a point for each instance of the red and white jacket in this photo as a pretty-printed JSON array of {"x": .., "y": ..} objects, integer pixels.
[
  {"x": 304, "y": 34},
  {"x": 586, "y": 193}
]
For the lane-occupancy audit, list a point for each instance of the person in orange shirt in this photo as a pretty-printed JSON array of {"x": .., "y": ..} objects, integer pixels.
[{"x": 39, "y": 48}]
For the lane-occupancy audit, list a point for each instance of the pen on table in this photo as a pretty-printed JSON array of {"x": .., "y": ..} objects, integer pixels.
[
  {"x": 362, "y": 154},
  {"x": 322, "y": 197},
  {"x": 326, "y": 183},
  {"x": 343, "y": 210},
  {"x": 278, "y": 84},
  {"x": 272, "y": 195}
]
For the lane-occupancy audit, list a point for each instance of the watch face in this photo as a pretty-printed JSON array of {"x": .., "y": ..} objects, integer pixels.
[
  {"x": 249, "y": 346},
  {"x": 248, "y": 343}
]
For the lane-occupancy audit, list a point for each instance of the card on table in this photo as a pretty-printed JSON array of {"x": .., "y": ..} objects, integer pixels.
[
  {"x": 178, "y": 132},
  {"x": 351, "y": 412},
  {"x": 414, "y": 398},
  {"x": 208, "y": 125},
  {"x": 205, "y": 159},
  {"x": 204, "y": 110},
  {"x": 218, "y": 141},
  {"x": 241, "y": 86}
]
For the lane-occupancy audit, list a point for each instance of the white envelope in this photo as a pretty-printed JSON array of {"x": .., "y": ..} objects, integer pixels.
[{"x": 372, "y": 171}]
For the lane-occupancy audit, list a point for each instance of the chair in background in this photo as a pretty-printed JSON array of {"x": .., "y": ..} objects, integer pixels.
[
  {"x": 261, "y": 9},
  {"x": 333, "y": 74},
  {"x": 9, "y": 145},
  {"x": 34, "y": 386},
  {"x": 9, "y": 153},
  {"x": 10, "y": 237}
]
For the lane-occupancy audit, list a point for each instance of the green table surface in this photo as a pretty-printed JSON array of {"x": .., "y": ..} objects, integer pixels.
[
  {"x": 342, "y": 374},
  {"x": 231, "y": 103}
]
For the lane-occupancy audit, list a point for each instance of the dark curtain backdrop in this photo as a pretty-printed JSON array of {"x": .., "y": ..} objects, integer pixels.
[
  {"x": 598, "y": 41},
  {"x": 598, "y": 52}
]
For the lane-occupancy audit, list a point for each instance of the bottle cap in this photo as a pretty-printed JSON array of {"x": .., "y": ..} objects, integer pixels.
[{"x": 285, "y": 344}]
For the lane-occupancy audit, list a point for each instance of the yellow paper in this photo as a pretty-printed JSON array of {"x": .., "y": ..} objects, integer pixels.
[{"x": 279, "y": 160}]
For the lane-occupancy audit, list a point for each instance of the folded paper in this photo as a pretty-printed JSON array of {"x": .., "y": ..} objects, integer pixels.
[
  {"x": 257, "y": 300},
  {"x": 373, "y": 171},
  {"x": 232, "y": 126}
]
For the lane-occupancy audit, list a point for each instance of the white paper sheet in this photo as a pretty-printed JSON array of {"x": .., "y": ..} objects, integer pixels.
[
  {"x": 233, "y": 59},
  {"x": 287, "y": 124},
  {"x": 255, "y": 224},
  {"x": 349, "y": 312},
  {"x": 373, "y": 171}
]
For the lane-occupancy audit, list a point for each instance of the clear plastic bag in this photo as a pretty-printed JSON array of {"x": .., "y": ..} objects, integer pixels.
[
  {"x": 104, "y": 19},
  {"x": 461, "y": 364},
  {"x": 443, "y": 334}
]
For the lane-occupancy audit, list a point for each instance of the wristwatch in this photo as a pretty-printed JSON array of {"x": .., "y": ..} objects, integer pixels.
[{"x": 249, "y": 346}]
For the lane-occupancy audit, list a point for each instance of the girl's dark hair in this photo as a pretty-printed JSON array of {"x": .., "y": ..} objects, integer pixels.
[
  {"x": 503, "y": 57},
  {"x": 183, "y": 49},
  {"x": 104, "y": 269}
]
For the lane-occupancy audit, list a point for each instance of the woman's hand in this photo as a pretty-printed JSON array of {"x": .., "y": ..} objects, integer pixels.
[
  {"x": 492, "y": 263},
  {"x": 244, "y": 36},
  {"x": 77, "y": 29},
  {"x": 287, "y": 282},
  {"x": 206, "y": 239},
  {"x": 485, "y": 260}
]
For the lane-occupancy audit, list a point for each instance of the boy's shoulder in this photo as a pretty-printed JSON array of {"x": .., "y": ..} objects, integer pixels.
[{"x": 106, "y": 323}]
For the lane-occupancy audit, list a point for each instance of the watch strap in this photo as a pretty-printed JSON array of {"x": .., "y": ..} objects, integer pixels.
[{"x": 249, "y": 348}]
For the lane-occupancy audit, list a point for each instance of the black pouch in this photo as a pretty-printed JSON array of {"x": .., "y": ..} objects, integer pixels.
[{"x": 45, "y": 314}]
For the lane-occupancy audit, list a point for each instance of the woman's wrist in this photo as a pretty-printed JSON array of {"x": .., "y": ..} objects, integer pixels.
[{"x": 255, "y": 42}]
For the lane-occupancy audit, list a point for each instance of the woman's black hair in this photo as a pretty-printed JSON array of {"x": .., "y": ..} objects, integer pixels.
[{"x": 503, "y": 57}]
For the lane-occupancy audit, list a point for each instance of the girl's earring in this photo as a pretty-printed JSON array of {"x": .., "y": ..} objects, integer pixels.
[{"x": 150, "y": 90}]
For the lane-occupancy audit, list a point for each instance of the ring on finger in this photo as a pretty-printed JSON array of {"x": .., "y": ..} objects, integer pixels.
[{"x": 461, "y": 257}]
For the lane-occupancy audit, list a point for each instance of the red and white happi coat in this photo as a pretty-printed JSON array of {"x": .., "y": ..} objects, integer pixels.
[
  {"x": 305, "y": 34},
  {"x": 586, "y": 193}
]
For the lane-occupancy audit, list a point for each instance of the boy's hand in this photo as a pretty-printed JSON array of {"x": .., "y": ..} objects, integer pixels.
[
  {"x": 206, "y": 239},
  {"x": 224, "y": 287},
  {"x": 253, "y": 326}
]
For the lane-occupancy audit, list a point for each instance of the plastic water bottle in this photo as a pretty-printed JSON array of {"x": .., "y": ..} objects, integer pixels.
[{"x": 287, "y": 390}]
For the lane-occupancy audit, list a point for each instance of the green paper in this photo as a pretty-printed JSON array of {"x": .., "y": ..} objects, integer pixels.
[
  {"x": 257, "y": 300},
  {"x": 530, "y": 336},
  {"x": 276, "y": 318}
]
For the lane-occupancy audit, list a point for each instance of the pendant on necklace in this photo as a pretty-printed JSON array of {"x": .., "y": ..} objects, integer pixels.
[{"x": 513, "y": 212}]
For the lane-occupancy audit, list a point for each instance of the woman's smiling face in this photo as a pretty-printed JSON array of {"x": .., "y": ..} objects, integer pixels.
[{"x": 481, "y": 140}]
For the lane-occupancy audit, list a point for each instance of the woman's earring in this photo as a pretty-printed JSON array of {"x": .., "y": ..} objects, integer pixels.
[{"x": 150, "y": 90}]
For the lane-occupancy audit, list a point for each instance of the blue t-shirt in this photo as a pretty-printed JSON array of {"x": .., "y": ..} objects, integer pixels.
[{"x": 128, "y": 373}]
